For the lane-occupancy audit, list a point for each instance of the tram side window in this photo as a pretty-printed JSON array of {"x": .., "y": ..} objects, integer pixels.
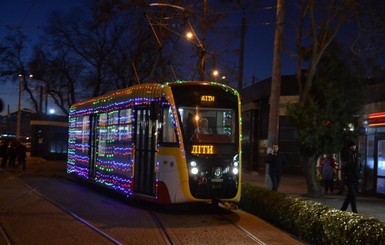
[
  {"x": 85, "y": 132},
  {"x": 102, "y": 134},
  {"x": 80, "y": 132},
  {"x": 125, "y": 127},
  {"x": 168, "y": 126}
]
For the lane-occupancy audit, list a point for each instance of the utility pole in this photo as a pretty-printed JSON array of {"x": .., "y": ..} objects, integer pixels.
[
  {"x": 242, "y": 52},
  {"x": 276, "y": 79},
  {"x": 18, "y": 123},
  {"x": 202, "y": 59}
]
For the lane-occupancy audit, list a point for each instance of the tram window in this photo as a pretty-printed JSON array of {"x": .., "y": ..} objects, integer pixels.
[
  {"x": 80, "y": 132},
  {"x": 125, "y": 134},
  {"x": 168, "y": 126},
  {"x": 125, "y": 116},
  {"x": 103, "y": 119},
  {"x": 113, "y": 117},
  {"x": 214, "y": 125}
]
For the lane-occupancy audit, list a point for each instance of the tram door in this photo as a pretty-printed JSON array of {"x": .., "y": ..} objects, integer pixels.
[
  {"x": 93, "y": 145},
  {"x": 145, "y": 153},
  {"x": 380, "y": 166}
]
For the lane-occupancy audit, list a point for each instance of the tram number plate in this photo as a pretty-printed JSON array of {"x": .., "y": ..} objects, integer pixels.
[
  {"x": 216, "y": 186},
  {"x": 216, "y": 183},
  {"x": 217, "y": 180}
]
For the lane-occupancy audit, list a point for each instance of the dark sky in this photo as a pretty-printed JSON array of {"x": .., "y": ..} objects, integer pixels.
[{"x": 31, "y": 15}]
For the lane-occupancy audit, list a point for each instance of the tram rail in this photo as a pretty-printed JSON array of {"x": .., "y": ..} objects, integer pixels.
[{"x": 116, "y": 221}]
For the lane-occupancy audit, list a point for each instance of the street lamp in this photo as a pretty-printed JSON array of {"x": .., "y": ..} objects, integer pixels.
[
  {"x": 190, "y": 35},
  {"x": 21, "y": 78}
]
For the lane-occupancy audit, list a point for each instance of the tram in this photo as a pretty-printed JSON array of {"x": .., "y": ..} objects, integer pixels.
[{"x": 165, "y": 143}]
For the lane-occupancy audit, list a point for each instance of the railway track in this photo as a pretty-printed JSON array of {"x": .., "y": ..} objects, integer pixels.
[
  {"x": 10, "y": 238},
  {"x": 74, "y": 213}
]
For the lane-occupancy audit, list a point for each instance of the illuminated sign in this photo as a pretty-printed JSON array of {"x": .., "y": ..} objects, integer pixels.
[
  {"x": 376, "y": 119},
  {"x": 202, "y": 149},
  {"x": 207, "y": 98}
]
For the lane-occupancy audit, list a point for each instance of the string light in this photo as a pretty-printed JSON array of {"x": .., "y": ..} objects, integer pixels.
[
  {"x": 112, "y": 148},
  {"x": 114, "y": 114}
]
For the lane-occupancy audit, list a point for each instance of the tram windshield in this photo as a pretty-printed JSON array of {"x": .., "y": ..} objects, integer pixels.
[
  {"x": 207, "y": 125},
  {"x": 208, "y": 114}
]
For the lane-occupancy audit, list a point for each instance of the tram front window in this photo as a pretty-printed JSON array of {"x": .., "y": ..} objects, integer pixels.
[{"x": 207, "y": 125}]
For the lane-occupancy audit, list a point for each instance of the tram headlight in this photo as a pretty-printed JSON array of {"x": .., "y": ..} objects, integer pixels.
[
  {"x": 194, "y": 170},
  {"x": 193, "y": 167},
  {"x": 235, "y": 171}
]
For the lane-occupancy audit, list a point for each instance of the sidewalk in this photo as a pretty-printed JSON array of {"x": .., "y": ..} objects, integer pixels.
[{"x": 369, "y": 206}]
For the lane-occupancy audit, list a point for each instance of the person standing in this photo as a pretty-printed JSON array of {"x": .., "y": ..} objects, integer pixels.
[
  {"x": 328, "y": 170},
  {"x": 276, "y": 163},
  {"x": 21, "y": 155},
  {"x": 4, "y": 154},
  {"x": 12, "y": 153},
  {"x": 351, "y": 167}
]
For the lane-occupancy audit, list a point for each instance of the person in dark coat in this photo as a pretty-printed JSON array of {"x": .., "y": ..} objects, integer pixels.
[
  {"x": 21, "y": 155},
  {"x": 12, "y": 153},
  {"x": 351, "y": 165},
  {"x": 276, "y": 163},
  {"x": 4, "y": 154}
]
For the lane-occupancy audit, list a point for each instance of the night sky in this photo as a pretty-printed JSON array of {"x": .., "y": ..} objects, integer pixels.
[{"x": 30, "y": 16}]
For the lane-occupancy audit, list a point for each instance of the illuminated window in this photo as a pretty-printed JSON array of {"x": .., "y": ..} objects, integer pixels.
[{"x": 168, "y": 126}]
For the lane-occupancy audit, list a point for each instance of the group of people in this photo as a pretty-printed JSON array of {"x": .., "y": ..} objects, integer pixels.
[
  {"x": 350, "y": 167},
  {"x": 14, "y": 153},
  {"x": 350, "y": 173}
]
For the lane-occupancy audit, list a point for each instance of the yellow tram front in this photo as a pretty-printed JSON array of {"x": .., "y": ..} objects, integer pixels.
[{"x": 209, "y": 115}]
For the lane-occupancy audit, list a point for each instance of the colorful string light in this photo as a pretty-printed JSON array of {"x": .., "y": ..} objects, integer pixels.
[{"x": 112, "y": 147}]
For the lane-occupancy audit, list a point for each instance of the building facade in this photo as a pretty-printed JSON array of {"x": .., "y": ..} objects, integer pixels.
[
  {"x": 371, "y": 144},
  {"x": 255, "y": 123},
  {"x": 372, "y": 140}
]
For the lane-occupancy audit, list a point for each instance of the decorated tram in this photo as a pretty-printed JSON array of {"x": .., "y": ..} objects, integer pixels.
[{"x": 165, "y": 143}]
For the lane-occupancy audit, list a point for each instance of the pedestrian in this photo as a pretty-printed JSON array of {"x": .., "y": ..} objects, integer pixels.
[
  {"x": 341, "y": 185},
  {"x": 21, "y": 155},
  {"x": 4, "y": 153},
  {"x": 351, "y": 168},
  {"x": 12, "y": 153},
  {"x": 328, "y": 171},
  {"x": 276, "y": 163}
]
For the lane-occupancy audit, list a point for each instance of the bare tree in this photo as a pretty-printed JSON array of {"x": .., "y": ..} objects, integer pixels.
[
  {"x": 14, "y": 65},
  {"x": 110, "y": 45},
  {"x": 318, "y": 26},
  {"x": 87, "y": 54},
  {"x": 368, "y": 36},
  {"x": 321, "y": 30}
]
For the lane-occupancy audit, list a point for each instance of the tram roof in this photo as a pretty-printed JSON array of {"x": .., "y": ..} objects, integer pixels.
[{"x": 138, "y": 94}]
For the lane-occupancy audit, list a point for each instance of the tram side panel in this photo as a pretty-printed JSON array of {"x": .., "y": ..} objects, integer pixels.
[
  {"x": 107, "y": 160},
  {"x": 173, "y": 175}
]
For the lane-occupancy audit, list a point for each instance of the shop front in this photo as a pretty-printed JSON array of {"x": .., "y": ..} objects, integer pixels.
[{"x": 374, "y": 161}]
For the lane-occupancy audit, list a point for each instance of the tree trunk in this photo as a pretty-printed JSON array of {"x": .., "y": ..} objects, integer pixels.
[{"x": 313, "y": 186}]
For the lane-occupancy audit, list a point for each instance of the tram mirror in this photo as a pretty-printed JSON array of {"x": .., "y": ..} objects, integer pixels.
[{"x": 154, "y": 111}]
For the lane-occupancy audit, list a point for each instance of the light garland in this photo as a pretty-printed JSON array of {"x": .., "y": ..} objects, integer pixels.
[{"x": 114, "y": 130}]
